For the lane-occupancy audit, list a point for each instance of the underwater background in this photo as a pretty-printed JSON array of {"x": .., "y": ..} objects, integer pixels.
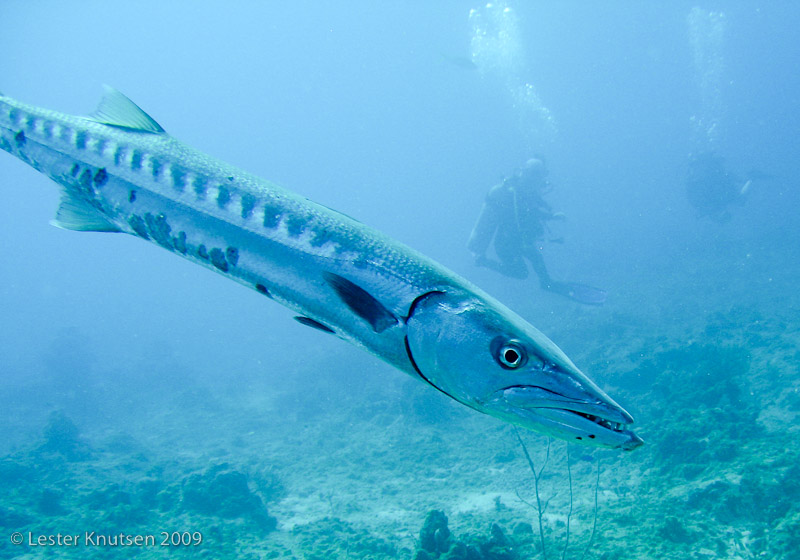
[{"x": 143, "y": 395}]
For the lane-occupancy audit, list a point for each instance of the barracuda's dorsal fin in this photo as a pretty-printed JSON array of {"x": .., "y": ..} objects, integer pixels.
[
  {"x": 78, "y": 215},
  {"x": 115, "y": 109}
]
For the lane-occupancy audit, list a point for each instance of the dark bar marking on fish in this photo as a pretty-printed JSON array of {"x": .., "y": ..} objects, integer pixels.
[
  {"x": 159, "y": 229},
  {"x": 321, "y": 237},
  {"x": 100, "y": 147},
  {"x": 119, "y": 155},
  {"x": 223, "y": 197},
  {"x": 178, "y": 178},
  {"x": 101, "y": 177},
  {"x": 200, "y": 187},
  {"x": 47, "y": 129},
  {"x": 136, "y": 160},
  {"x": 218, "y": 259},
  {"x": 138, "y": 225},
  {"x": 295, "y": 225},
  {"x": 19, "y": 138},
  {"x": 80, "y": 140},
  {"x": 248, "y": 204},
  {"x": 232, "y": 255},
  {"x": 272, "y": 217},
  {"x": 157, "y": 166},
  {"x": 180, "y": 242},
  {"x": 86, "y": 179}
]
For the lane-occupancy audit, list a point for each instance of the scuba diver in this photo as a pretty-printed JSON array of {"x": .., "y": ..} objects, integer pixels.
[
  {"x": 710, "y": 188},
  {"x": 515, "y": 216}
]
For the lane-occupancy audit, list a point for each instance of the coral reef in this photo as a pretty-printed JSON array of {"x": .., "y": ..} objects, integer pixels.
[
  {"x": 224, "y": 492},
  {"x": 436, "y": 542}
]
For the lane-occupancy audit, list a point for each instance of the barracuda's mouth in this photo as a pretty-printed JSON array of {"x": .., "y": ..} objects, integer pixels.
[{"x": 591, "y": 422}]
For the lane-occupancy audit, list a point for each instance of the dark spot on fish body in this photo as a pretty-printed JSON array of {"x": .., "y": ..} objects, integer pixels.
[
  {"x": 65, "y": 134},
  {"x": 85, "y": 180},
  {"x": 100, "y": 146},
  {"x": 156, "y": 166},
  {"x": 136, "y": 160},
  {"x": 202, "y": 252},
  {"x": 47, "y": 129},
  {"x": 75, "y": 170},
  {"x": 232, "y": 255},
  {"x": 218, "y": 259},
  {"x": 200, "y": 186},
  {"x": 19, "y": 138},
  {"x": 159, "y": 229},
  {"x": 80, "y": 140},
  {"x": 272, "y": 217},
  {"x": 223, "y": 197},
  {"x": 132, "y": 196},
  {"x": 262, "y": 289},
  {"x": 248, "y": 204},
  {"x": 360, "y": 263},
  {"x": 14, "y": 116},
  {"x": 295, "y": 225},
  {"x": 101, "y": 177},
  {"x": 180, "y": 242},
  {"x": 178, "y": 178},
  {"x": 138, "y": 226},
  {"x": 119, "y": 155}
]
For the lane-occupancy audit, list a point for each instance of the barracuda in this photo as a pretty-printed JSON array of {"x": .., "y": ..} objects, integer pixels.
[{"x": 119, "y": 171}]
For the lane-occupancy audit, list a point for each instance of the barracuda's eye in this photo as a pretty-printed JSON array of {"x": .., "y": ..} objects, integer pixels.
[{"x": 511, "y": 354}]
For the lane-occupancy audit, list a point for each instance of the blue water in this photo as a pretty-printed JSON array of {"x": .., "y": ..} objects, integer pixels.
[{"x": 403, "y": 115}]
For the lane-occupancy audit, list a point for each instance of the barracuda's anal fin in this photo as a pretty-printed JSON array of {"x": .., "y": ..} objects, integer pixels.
[
  {"x": 115, "y": 109},
  {"x": 78, "y": 215},
  {"x": 361, "y": 302},
  {"x": 314, "y": 324}
]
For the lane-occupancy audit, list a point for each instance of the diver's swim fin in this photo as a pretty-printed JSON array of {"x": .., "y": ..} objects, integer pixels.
[{"x": 579, "y": 292}]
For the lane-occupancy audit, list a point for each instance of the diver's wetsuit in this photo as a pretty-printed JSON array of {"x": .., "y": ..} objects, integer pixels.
[{"x": 516, "y": 219}]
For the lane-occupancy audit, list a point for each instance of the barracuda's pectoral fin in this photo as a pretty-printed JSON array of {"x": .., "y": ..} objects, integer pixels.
[
  {"x": 115, "y": 109},
  {"x": 361, "y": 302},
  {"x": 314, "y": 324},
  {"x": 78, "y": 215}
]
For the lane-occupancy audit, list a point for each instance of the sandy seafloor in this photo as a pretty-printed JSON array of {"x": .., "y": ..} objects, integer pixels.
[{"x": 141, "y": 394}]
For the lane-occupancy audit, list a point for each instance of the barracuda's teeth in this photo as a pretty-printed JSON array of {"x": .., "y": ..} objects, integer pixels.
[{"x": 608, "y": 424}]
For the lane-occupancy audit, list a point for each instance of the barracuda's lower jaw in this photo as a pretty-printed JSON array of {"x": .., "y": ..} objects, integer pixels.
[
  {"x": 581, "y": 427},
  {"x": 580, "y": 422},
  {"x": 631, "y": 440}
]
